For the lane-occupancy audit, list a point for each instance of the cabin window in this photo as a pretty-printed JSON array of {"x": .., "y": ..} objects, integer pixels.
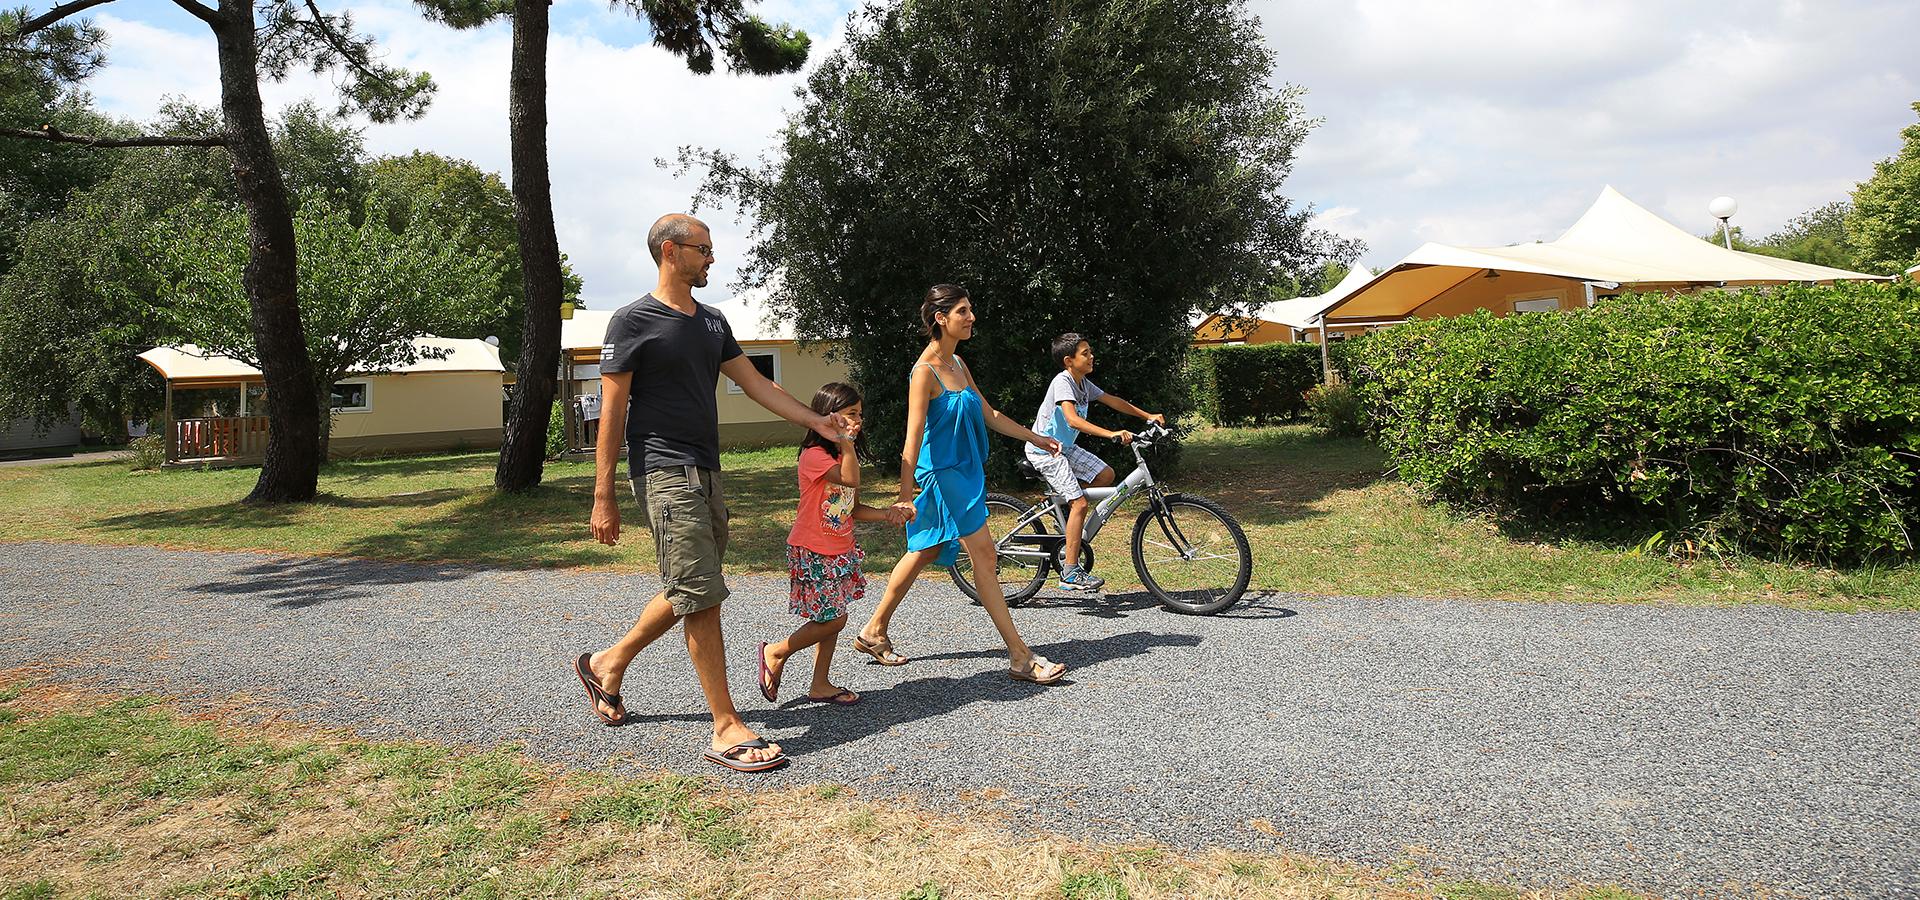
[
  {"x": 352, "y": 396},
  {"x": 767, "y": 361},
  {"x": 1537, "y": 304}
]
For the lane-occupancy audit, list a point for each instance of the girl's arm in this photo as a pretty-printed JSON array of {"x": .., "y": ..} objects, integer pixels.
[
  {"x": 1001, "y": 423},
  {"x": 865, "y": 513},
  {"x": 917, "y": 397},
  {"x": 847, "y": 473}
]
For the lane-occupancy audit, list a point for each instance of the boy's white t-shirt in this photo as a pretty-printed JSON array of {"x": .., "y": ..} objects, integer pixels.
[{"x": 1051, "y": 421}]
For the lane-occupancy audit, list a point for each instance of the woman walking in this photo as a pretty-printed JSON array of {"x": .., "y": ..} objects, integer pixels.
[{"x": 945, "y": 459}]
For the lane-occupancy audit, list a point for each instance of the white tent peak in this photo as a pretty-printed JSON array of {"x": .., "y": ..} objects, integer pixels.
[
  {"x": 1304, "y": 312},
  {"x": 1616, "y": 242}
]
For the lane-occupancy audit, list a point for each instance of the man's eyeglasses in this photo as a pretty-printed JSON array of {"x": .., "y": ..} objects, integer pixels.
[{"x": 705, "y": 250}]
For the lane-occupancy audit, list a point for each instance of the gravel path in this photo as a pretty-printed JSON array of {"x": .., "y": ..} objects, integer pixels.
[{"x": 1672, "y": 749}]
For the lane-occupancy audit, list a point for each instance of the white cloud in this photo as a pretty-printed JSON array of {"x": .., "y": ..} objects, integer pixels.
[
  {"x": 1491, "y": 123},
  {"x": 1473, "y": 122}
]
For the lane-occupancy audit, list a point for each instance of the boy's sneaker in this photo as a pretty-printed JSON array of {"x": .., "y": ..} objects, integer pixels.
[{"x": 1079, "y": 579}]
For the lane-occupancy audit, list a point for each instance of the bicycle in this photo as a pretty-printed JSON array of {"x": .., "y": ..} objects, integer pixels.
[{"x": 1190, "y": 554}]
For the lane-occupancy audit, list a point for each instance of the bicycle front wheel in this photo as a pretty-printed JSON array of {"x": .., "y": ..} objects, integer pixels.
[
  {"x": 1020, "y": 565},
  {"x": 1191, "y": 555}
]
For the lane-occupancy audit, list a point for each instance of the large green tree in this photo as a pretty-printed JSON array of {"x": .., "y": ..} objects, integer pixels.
[
  {"x": 252, "y": 39},
  {"x": 691, "y": 29},
  {"x": 368, "y": 291},
  {"x": 1095, "y": 166},
  {"x": 1884, "y": 226},
  {"x": 80, "y": 302},
  {"x": 461, "y": 202}
]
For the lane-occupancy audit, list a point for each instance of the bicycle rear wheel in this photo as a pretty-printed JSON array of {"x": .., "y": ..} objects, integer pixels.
[
  {"x": 1022, "y": 562},
  {"x": 1191, "y": 555}
]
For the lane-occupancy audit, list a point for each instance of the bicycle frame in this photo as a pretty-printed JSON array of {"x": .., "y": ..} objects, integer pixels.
[{"x": 1103, "y": 503}]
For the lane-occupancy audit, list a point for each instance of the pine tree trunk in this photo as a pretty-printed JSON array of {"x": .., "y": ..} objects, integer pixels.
[
  {"x": 523, "y": 453},
  {"x": 291, "y": 471}
]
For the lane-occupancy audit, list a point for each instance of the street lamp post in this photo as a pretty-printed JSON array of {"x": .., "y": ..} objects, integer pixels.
[{"x": 1723, "y": 209}]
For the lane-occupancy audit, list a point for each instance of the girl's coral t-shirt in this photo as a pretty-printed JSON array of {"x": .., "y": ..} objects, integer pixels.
[{"x": 824, "y": 523}]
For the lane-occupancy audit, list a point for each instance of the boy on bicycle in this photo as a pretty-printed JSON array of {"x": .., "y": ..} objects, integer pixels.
[{"x": 1061, "y": 417}]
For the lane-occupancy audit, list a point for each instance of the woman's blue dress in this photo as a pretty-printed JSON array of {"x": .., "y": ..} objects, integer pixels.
[{"x": 951, "y": 473}]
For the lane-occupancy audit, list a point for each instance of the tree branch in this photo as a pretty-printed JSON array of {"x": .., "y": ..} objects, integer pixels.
[
  {"x": 199, "y": 12},
  {"x": 50, "y": 133},
  {"x": 56, "y": 14},
  {"x": 319, "y": 28}
]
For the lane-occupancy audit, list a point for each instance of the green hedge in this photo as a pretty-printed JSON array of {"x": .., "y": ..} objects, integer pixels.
[
  {"x": 1241, "y": 385},
  {"x": 1784, "y": 421}
]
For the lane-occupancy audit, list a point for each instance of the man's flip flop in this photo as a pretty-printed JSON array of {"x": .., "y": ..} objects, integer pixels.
[
  {"x": 881, "y": 650},
  {"x": 769, "y": 683},
  {"x": 731, "y": 757},
  {"x": 596, "y": 694}
]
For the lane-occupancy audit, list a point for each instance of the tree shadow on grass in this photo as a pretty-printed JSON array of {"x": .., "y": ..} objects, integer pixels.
[
  {"x": 881, "y": 709},
  {"x": 237, "y": 516}
]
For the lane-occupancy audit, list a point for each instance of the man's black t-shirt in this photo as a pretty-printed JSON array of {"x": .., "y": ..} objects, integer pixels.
[{"x": 672, "y": 419}]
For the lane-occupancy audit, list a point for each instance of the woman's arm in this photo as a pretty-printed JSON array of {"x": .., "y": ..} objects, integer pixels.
[
  {"x": 917, "y": 399},
  {"x": 1003, "y": 424}
]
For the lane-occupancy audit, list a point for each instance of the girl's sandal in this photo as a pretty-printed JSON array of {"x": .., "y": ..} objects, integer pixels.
[
  {"x": 881, "y": 650},
  {"x": 1039, "y": 670}
]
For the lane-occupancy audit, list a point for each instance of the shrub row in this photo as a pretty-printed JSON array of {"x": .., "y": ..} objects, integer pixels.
[
  {"x": 1784, "y": 420},
  {"x": 1242, "y": 385}
]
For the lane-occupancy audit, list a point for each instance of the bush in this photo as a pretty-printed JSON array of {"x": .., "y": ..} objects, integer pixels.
[
  {"x": 1783, "y": 420},
  {"x": 149, "y": 452},
  {"x": 1336, "y": 408},
  {"x": 1240, "y": 385},
  {"x": 557, "y": 432}
]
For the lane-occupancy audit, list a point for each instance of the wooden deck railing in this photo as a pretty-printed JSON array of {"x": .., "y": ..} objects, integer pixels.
[{"x": 219, "y": 437}]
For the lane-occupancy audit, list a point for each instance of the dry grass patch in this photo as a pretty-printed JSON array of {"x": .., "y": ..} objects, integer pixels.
[{"x": 120, "y": 797}]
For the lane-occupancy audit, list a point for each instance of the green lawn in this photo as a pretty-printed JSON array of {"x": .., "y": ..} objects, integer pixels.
[
  {"x": 1321, "y": 516},
  {"x": 110, "y": 797}
]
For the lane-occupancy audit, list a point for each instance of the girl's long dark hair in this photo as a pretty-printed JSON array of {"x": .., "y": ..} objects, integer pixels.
[{"x": 833, "y": 397}]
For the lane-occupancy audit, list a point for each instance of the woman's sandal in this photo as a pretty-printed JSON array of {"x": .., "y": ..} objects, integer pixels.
[
  {"x": 1039, "y": 670},
  {"x": 881, "y": 650},
  {"x": 843, "y": 698}
]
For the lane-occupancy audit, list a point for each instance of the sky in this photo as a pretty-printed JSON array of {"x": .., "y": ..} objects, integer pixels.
[{"x": 1472, "y": 123}]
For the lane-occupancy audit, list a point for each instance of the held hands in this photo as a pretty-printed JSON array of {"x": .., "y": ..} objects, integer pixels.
[
  {"x": 899, "y": 514},
  {"x": 845, "y": 438},
  {"x": 606, "y": 523},
  {"x": 835, "y": 427}
]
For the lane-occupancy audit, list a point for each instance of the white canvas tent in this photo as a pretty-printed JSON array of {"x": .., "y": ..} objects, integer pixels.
[
  {"x": 1305, "y": 312},
  {"x": 1615, "y": 246}
]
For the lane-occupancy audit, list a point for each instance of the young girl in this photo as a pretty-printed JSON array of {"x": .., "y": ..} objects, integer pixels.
[{"x": 822, "y": 560}]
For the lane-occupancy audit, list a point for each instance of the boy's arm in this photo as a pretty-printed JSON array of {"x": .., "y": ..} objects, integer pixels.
[
  {"x": 1083, "y": 426},
  {"x": 1115, "y": 403}
]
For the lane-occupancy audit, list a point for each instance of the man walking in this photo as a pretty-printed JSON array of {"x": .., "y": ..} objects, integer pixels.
[{"x": 662, "y": 358}]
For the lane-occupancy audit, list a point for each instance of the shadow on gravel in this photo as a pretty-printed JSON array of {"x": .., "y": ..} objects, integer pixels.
[
  {"x": 1255, "y": 605},
  {"x": 881, "y": 709},
  {"x": 297, "y": 583}
]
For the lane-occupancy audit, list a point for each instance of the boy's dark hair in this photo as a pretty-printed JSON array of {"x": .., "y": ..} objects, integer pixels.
[
  {"x": 833, "y": 397},
  {"x": 1066, "y": 345},
  {"x": 941, "y": 298}
]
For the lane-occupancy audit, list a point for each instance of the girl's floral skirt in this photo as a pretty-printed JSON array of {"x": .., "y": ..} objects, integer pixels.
[{"x": 824, "y": 586}]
